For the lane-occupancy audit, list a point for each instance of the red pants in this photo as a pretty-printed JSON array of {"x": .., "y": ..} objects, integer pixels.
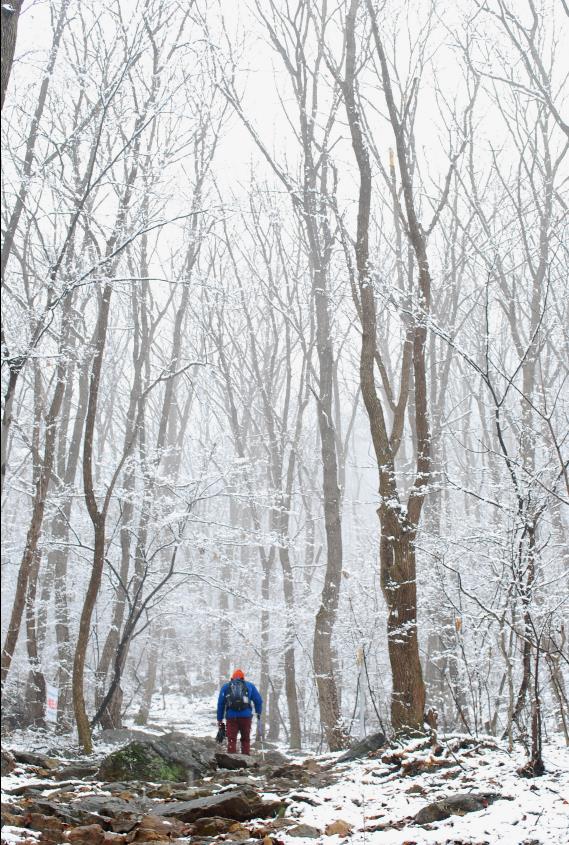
[{"x": 242, "y": 725}]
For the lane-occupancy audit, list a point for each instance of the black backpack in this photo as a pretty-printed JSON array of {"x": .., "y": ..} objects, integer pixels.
[{"x": 237, "y": 697}]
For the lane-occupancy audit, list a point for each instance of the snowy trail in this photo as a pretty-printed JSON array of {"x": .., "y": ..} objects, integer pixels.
[{"x": 369, "y": 801}]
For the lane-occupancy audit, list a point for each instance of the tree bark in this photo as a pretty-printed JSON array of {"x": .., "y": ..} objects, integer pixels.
[
  {"x": 98, "y": 520},
  {"x": 398, "y": 525},
  {"x": 9, "y": 15},
  {"x": 39, "y": 502},
  {"x": 151, "y": 673}
]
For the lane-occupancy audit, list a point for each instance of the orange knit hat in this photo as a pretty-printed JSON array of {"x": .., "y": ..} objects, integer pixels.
[{"x": 239, "y": 673}]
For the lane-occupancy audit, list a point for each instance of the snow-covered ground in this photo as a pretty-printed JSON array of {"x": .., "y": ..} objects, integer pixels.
[
  {"x": 368, "y": 797},
  {"x": 537, "y": 813}
]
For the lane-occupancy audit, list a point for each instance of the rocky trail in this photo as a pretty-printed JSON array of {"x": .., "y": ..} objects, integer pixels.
[
  {"x": 175, "y": 788},
  {"x": 153, "y": 789}
]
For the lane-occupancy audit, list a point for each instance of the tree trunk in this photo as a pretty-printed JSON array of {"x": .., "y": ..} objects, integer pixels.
[
  {"x": 398, "y": 525},
  {"x": 399, "y": 587},
  {"x": 326, "y": 616},
  {"x": 15, "y": 367},
  {"x": 98, "y": 519},
  {"x": 295, "y": 737},
  {"x": 29, "y": 157},
  {"x": 9, "y": 14},
  {"x": 79, "y": 706},
  {"x": 266, "y": 563},
  {"x": 273, "y": 712},
  {"x": 38, "y": 508},
  {"x": 150, "y": 683}
]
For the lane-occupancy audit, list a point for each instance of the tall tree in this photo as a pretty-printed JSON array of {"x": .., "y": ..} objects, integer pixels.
[{"x": 9, "y": 16}]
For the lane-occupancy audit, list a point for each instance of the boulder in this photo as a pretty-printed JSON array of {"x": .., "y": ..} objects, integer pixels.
[
  {"x": 338, "y": 828},
  {"x": 42, "y": 761},
  {"x": 361, "y": 749},
  {"x": 234, "y": 761},
  {"x": 180, "y": 792},
  {"x": 416, "y": 789},
  {"x": 49, "y": 826},
  {"x": 211, "y": 826},
  {"x": 36, "y": 787},
  {"x": 139, "y": 761},
  {"x": 77, "y": 771},
  {"x": 13, "y": 819},
  {"x": 120, "y": 736},
  {"x": 108, "y": 808},
  {"x": 294, "y": 776},
  {"x": 455, "y": 805},
  {"x": 63, "y": 812},
  {"x": 175, "y": 758},
  {"x": 237, "y": 804},
  {"x": 8, "y": 807},
  {"x": 272, "y": 757},
  {"x": 239, "y": 833},
  {"x": 305, "y": 830},
  {"x": 8, "y": 762},
  {"x": 292, "y": 772},
  {"x": 151, "y": 826},
  {"x": 92, "y": 834}
]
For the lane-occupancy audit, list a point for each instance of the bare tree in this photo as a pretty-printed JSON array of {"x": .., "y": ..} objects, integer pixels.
[{"x": 9, "y": 16}]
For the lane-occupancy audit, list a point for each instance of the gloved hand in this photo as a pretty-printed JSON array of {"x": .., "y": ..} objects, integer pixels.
[
  {"x": 220, "y": 724},
  {"x": 259, "y": 727},
  {"x": 220, "y": 733}
]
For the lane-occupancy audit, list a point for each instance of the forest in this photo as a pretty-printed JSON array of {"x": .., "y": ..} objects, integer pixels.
[{"x": 285, "y": 360}]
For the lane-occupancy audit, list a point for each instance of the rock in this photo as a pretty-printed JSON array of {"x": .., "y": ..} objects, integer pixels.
[
  {"x": 49, "y": 826},
  {"x": 234, "y": 761},
  {"x": 197, "y": 754},
  {"x": 140, "y": 761},
  {"x": 12, "y": 819},
  {"x": 39, "y": 760},
  {"x": 272, "y": 757},
  {"x": 121, "y": 736},
  {"x": 212, "y": 826},
  {"x": 299, "y": 774},
  {"x": 76, "y": 771},
  {"x": 416, "y": 789},
  {"x": 8, "y": 762},
  {"x": 310, "y": 773},
  {"x": 239, "y": 833},
  {"x": 120, "y": 815},
  {"x": 455, "y": 805},
  {"x": 175, "y": 757},
  {"x": 338, "y": 828},
  {"x": 174, "y": 793},
  {"x": 111, "y": 808},
  {"x": 304, "y": 830},
  {"x": 228, "y": 776},
  {"x": 32, "y": 788},
  {"x": 363, "y": 748},
  {"x": 8, "y": 807},
  {"x": 42, "y": 806},
  {"x": 304, "y": 799},
  {"x": 150, "y": 825},
  {"x": 91, "y": 834},
  {"x": 237, "y": 804}
]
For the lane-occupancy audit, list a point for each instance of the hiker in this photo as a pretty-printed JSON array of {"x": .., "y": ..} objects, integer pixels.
[{"x": 235, "y": 702}]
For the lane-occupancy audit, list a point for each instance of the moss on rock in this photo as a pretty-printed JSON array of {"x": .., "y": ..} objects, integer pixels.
[{"x": 140, "y": 761}]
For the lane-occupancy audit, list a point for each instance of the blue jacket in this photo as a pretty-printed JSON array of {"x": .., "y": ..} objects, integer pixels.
[{"x": 254, "y": 695}]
